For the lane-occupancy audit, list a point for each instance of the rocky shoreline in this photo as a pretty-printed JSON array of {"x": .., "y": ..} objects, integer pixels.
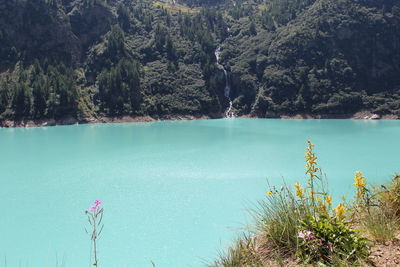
[
  {"x": 72, "y": 121},
  {"x": 362, "y": 115}
]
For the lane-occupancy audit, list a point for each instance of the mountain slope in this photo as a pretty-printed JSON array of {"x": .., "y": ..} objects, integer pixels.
[
  {"x": 89, "y": 58},
  {"x": 337, "y": 56}
]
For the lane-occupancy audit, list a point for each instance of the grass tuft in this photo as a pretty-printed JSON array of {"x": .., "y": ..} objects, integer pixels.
[
  {"x": 242, "y": 254},
  {"x": 277, "y": 217},
  {"x": 380, "y": 226}
]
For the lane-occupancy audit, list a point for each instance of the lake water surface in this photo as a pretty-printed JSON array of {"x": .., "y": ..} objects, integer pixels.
[{"x": 174, "y": 192}]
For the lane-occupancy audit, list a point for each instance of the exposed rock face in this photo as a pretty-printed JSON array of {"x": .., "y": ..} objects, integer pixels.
[
  {"x": 46, "y": 30},
  {"x": 69, "y": 120},
  {"x": 90, "y": 23},
  {"x": 37, "y": 29}
]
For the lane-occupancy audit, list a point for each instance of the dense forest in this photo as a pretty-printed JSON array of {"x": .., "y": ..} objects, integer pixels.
[{"x": 92, "y": 58}]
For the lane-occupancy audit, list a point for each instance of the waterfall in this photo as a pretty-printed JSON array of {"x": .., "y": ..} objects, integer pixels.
[{"x": 227, "y": 90}]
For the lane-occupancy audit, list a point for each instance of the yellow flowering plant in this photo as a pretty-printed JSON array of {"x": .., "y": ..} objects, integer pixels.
[
  {"x": 340, "y": 211},
  {"x": 302, "y": 218},
  {"x": 299, "y": 190},
  {"x": 324, "y": 232},
  {"x": 313, "y": 195},
  {"x": 364, "y": 197}
]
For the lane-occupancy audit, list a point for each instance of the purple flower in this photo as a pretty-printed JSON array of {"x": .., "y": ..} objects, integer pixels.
[
  {"x": 305, "y": 234},
  {"x": 97, "y": 203},
  {"x": 328, "y": 246}
]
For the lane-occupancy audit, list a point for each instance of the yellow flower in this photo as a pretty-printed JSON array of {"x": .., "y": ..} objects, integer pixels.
[
  {"x": 311, "y": 161},
  {"x": 340, "y": 210},
  {"x": 359, "y": 181},
  {"x": 312, "y": 194},
  {"x": 322, "y": 207},
  {"x": 299, "y": 190},
  {"x": 328, "y": 200},
  {"x": 269, "y": 193}
]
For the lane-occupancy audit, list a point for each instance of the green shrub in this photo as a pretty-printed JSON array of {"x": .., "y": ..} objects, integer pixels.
[{"x": 324, "y": 237}]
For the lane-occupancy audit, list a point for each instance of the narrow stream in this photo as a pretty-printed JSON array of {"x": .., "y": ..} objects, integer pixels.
[{"x": 227, "y": 90}]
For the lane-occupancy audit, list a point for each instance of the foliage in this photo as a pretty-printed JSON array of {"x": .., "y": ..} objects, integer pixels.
[
  {"x": 303, "y": 222},
  {"x": 324, "y": 237},
  {"x": 42, "y": 90},
  {"x": 308, "y": 66},
  {"x": 119, "y": 88},
  {"x": 309, "y": 56}
]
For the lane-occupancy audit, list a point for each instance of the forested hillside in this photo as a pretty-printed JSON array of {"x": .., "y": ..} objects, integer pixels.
[{"x": 92, "y": 58}]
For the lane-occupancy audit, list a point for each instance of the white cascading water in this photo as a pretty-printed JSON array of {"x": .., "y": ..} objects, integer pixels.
[{"x": 227, "y": 90}]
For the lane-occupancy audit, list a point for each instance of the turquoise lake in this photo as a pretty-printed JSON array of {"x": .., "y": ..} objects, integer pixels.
[{"x": 174, "y": 192}]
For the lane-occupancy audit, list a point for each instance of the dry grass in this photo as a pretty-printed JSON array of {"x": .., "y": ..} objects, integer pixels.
[
  {"x": 379, "y": 226},
  {"x": 262, "y": 7},
  {"x": 242, "y": 253}
]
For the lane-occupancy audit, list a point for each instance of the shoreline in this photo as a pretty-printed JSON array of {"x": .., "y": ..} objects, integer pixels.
[
  {"x": 362, "y": 115},
  {"x": 94, "y": 120}
]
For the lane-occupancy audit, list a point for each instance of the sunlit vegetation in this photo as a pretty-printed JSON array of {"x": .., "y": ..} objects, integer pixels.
[
  {"x": 300, "y": 226},
  {"x": 285, "y": 57},
  {"x": 170, "y": 6}
]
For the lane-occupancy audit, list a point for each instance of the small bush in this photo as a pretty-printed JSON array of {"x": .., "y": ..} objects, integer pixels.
[{"x": 324, "y": 238}]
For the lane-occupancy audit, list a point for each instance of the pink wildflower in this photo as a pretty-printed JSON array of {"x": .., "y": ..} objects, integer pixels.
[
  {"x": 92, "y": 208},
  {"x": 328, "y": 246},
  {"x": 305, "y": 234},
  {"x": 97, "y": 203}
]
